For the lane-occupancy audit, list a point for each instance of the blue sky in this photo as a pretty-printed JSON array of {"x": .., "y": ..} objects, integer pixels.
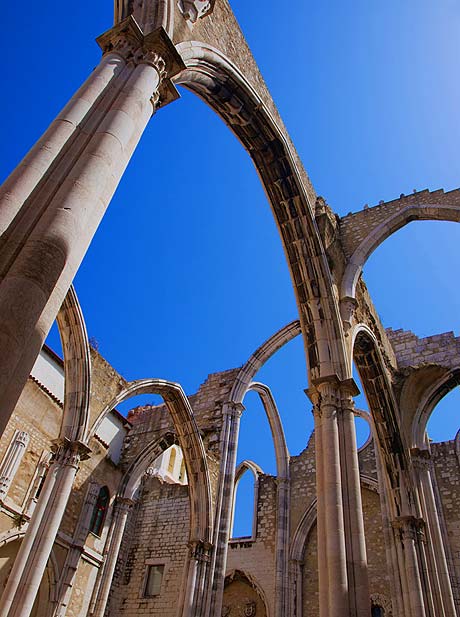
[{"x": 186, "y": 275}]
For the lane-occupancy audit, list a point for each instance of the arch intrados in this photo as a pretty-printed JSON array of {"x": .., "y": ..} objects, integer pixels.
[
  {"x": 428, "y": 403},
  {"x": 190, "y": 441},
  {"x": 221, "y": 85},
  {"x": 276, "y": 427},
  {"x": 77, "y": 369},
  {"x": 245, "y": 466},
  {"x": 387, "y": 228}
]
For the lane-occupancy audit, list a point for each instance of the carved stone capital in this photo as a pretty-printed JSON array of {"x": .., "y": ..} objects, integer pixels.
[
  {"x": 232, "y": 409},
  {"x": 155, "y": 49},
  {"x": 123, "y": 504},
  {"x": 69, "y": 453},
  {"x": 200, "y": 550},
  {"x": 192, "y": 10},
  {"x": 409, "y": 526}
]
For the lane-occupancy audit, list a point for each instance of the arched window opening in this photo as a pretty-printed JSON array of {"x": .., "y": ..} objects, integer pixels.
[
  {"x": 253, "y": 422},
  {"x": 100, "y": 511},
  {"x": 363, "y": 429},
  {"x": 245, "y": 507},
  {"x": 444, "y": 420}
]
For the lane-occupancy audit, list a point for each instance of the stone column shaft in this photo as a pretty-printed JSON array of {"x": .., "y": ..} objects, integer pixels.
[
  {"x": 408, "y": 526},
  {"x": 358, "y": 583},
  {"x": 338, "y": 600},
  {"x": 30, "y": 564},
  {"x": 21, "y": 183},
  {"x": 321, "y": 519},
  {"x": 36, "y": 283},
  {"x": 232, "y": 415},
  {"x": 117, "y": 529}
]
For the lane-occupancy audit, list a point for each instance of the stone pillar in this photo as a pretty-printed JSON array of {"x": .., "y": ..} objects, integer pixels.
[
  {"x": 408, "y": 528},
  {"x": 57, "y": 226},
  {"x": 75, "y": 551},
  {"x": 331, "y": 530},
  {"x": 282, "y": 546},
  {"x": 342, "y": 561},
  {"x": 229, "y": 444},
  {"x": 197, "y": 575},
  {"x": 439, "y": 574},
  {"x": 117, "y": 528},
  {"x": 30, "y": 563},
  {"x": 358, "y": 583},
  {"x": 12, "y": 460},
  {"x": 321, "y": 518}
]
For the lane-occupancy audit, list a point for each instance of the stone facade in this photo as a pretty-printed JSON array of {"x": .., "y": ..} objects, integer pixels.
[{"x": 95, "y": 516}]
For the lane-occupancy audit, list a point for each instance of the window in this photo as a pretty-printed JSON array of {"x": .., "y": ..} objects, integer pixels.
[
  {"x": 153, "y": 579},
  {"x": 100, "y": 511},
  {"x": 377, "y": 611}
]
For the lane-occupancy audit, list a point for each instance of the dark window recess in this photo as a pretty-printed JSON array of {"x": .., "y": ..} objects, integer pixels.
[
  {"x": 153, "y": 578},
  {"x": 100, "y": 511},
  {"x": 377, "y": 611}
]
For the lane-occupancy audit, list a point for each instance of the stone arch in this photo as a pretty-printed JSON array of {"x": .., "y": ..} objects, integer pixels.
[
  {"x": 240, "y": 576},
  {"x": 384, "y": 230},
  {"x": 77, "y": 369},
  {"x": 256, "y": 470},
  {"x": 12, "y": 536},
  {"x": 190, "y": 442},
  {"x": 431, "y": 397},
  {"x": 219, "y": 82},
  {"x": 260, "y": 357}
]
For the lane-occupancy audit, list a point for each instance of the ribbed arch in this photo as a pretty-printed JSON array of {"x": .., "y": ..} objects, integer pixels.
[
  {"x": 189, "y": 439},
  {"x": 244, "y": 467},
  {"x": 216, "y": 80},
  {"x": 77, "y": 369}
]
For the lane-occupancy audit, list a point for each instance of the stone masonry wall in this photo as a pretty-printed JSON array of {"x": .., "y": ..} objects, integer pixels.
[
  {"x": 356, "y": 226},
  {"x": 257, "y": 558},
  {"x": 160, "y": 537}
]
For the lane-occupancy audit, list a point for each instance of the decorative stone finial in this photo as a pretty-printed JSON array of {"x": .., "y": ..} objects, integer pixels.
[{"x": 193, "y": 10}]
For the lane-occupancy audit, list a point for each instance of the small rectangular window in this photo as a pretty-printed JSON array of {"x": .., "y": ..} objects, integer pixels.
[{"x": 153, "y": 580}]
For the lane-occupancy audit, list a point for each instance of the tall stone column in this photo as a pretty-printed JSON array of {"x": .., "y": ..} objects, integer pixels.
[
  {"x": 72, "y": 560},
  {"x": 56, "y": 228},
  {"x": 331, "y": 530},
  {"x": 342, "y": 561},
  {"x": 30, "y": 563},
  {"x": 197, "y": 576},
  {"x": 358, "y": 582},
  {"x": 230, "y": 431},
  {"x": 439, "y": 573},
  {"x": 320, "y": 517},
  {"x": 408, "y": 528},
  {"x": 117, "y": 528}
]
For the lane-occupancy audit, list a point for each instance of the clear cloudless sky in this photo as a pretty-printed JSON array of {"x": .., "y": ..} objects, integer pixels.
[{"x": 186, "y": 274}]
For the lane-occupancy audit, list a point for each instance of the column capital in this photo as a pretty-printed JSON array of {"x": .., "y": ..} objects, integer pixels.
[
  {"x": 409, "y": 526},
  {"x": 66, "y": 452},
  {"x": 330, "y": 390},
  {"x": 230, "y": 408},
  {"x": 123, "y": 503},
  {"x": 200, "y": 550},
  {"x": 155, "y": 49}
]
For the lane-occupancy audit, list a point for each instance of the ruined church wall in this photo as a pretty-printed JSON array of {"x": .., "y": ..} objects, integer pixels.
[{"x": 157, "y": 534}]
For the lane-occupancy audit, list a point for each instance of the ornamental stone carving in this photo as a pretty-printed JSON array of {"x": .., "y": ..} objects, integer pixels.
[{"x": 192, "y": 10}]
